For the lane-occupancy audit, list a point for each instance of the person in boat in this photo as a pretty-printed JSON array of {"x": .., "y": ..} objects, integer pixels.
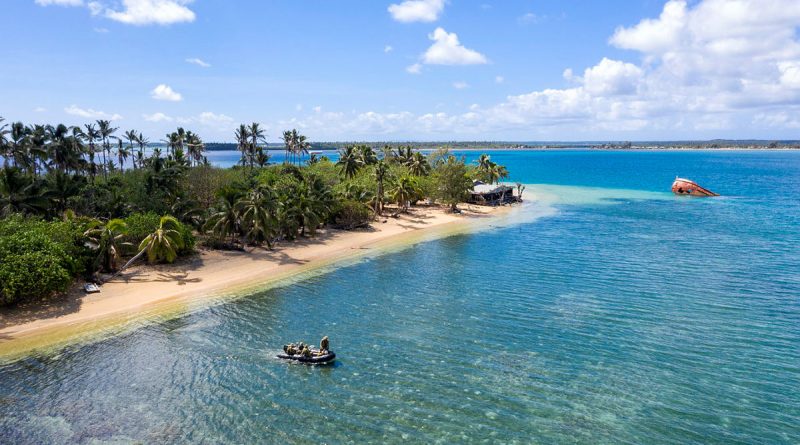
[
  {"x": 306, "y": 352},
  {"x": 290, "y": 349},
  {"x": 323, "y": 345}
]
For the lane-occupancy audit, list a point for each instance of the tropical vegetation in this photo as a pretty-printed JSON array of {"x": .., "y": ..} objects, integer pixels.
[{"x": 87, "y": 202}]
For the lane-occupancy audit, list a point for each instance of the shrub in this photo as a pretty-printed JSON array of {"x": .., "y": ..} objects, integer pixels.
[
  {"x": 38, "y": 258},
  {"x": 350, "y": 214}
]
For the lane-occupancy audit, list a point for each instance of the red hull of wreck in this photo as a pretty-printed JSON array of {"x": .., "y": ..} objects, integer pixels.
[{"x": 690, "y": 188}]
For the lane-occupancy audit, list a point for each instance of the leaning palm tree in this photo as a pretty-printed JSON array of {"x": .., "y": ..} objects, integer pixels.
[
  {"x": 106, "y": 239},
  {"x": 163, "y": 244}
]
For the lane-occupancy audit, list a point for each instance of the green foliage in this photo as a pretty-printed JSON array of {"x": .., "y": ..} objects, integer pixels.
[
  {"x": 141, "y": 225},
  {"x": 165, "y": 242},
  {"x": 38, "y": 258},
  {"x": 350, "y": 214},
  {"x": 453, "y": 182}
]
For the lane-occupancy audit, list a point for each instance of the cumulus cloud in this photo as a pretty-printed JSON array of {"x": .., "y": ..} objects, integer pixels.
[
  {"x": 165, "y": 92},
  {"x": 157, "y": 117},
  {"x": 414, "y": 69},
  {"x": 89, "y": 113},
  {"x": 417, "y": 10},
  {"x": 710, "y": 67},
  {"x": 198, "y": 62},
  {"x": 149, "y": 12},
  {"x": 447, "y": 50}
]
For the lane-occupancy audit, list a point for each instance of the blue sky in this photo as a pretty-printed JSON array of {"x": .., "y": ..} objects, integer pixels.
[{"x": 409, "y": 70}]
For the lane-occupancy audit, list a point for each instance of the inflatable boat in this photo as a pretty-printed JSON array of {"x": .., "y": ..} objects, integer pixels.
[{"x": 315, "y": 358}]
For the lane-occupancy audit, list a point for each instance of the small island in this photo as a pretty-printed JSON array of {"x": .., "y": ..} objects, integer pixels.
[{"x": 158, "y": 226}]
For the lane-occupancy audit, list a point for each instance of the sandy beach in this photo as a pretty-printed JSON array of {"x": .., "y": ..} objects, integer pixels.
[{"x": 144, "y": 293}]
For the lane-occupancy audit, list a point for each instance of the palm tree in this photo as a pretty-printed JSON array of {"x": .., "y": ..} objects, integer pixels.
[
  {"x": 106, "y": 239},
  {"x": 225, "y": 221},
  {"x": 256, "y": 136},
  {"x": 288, "y": 143},
  {"x": 405, "y": 191},
  {"x": 143, "y": 142},
  {"x": 61, "y": 150},
  {"x": 367, "y": 155},
  {"x": 131, "y": 136},
  {"x": 92, "y": 135},
  {"x": 381, "y": 171},
  {"x": 418, "y": 164},
  {"x": 258, "y": 213},
  {"x": 195, "y": 147},
  {"x": 61, "y": 187},
  {"x": 122, "y": 154},
  {"x": 19, "y": 193},
  {"x": 301, "y": 146},
  {"x": 348, "y": 161},
  {"x": 4, "y": 142},
  {"x": 243, "y": 144},
  {"x": 19, "y": 134},
  {"x": 106, "y": 134},
  {"x": 165, "y": 242},
  {"x": 37, "y": 148}
]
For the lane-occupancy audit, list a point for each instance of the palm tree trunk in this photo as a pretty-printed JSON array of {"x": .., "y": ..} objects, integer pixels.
[{"x": 130, "y": 261}]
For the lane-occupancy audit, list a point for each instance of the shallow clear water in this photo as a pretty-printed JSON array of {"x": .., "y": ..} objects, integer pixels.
[{"x": 621, "y": 314}]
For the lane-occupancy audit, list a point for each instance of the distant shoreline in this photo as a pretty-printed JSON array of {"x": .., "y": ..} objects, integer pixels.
[{"x": 424, "y": 147}]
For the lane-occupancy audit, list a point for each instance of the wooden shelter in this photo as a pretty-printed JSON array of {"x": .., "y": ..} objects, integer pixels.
[{"x": 491, "y": 194}]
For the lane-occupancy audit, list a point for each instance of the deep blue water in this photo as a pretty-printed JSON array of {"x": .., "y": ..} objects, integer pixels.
[{"x": 603, "y": 311}]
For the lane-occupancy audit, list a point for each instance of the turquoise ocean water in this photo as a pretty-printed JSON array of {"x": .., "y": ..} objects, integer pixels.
[{"x": 604, "y": 310}]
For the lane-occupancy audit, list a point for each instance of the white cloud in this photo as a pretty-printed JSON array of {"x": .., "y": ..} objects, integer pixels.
[
  {"x": 101, "y": 30},
  {"x": 89, "y": 113},
  {"x": 318, "y": 109},
  {"x": 165, "y": 92},
  {"x": 157, "y": 117},
  {"x": 388, "y": 48},
  {"x": 39, "y": 109},
  {"x": 447, "y": 50},
  {"x": 460, "y": 85},
  {"x": 59, "y": 2},
  {"x": 612, "y": 77},
  {"x": 198, "y": 62},
  {"x": 212, "y": 119},
  {"x": 499, "y": 79},
  {"x": 710, "y": 68},
  {"x": 414, "y": 69},
  {"x": 655, "y": 35},
  {"x": 417, "y": 10},
  {"x": 149, "y": 12},
  {"x": 529, "y": 19},
  {"x": 95, "y": 8}
]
